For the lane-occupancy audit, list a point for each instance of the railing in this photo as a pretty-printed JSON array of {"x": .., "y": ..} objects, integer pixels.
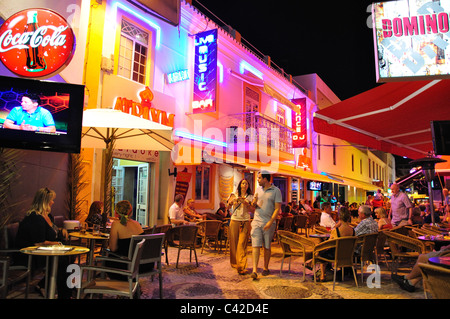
[{"x": 256, "y": 128}]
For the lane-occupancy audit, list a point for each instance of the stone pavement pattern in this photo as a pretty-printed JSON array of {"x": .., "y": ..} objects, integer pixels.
[{"x": 215, "y": 279}]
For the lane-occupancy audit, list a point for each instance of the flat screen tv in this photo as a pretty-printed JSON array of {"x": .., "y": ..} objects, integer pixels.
[
  {"x": 54, "y": 126},
  {"x": 440, "y": 132},
  {"x": 314, "y": 186}
]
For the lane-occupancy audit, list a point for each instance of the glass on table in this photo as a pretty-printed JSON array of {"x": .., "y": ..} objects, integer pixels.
[{"x": 96, "y": 229}]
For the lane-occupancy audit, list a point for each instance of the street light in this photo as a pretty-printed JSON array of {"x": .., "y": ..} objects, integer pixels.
[{"x": 427, "y": 164}]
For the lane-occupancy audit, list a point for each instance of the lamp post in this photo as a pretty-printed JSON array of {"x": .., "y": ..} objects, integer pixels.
[{"x": 427, "y": 164}]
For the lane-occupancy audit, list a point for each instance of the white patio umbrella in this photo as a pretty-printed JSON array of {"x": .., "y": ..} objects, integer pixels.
[
  {"x": 109, "y": 129},
  {"x": 103, "y": 126}
]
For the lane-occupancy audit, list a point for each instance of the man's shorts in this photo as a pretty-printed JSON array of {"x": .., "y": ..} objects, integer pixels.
[{"x": 261, "y": 237}]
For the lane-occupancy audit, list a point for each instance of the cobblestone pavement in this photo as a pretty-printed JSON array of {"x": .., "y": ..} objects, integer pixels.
[{"x": 215, "y": 279}]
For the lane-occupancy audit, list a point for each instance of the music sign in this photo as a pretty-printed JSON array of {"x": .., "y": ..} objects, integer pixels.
[
  {"x": 205, "y": 72},
  {"x": 36, "y": 43}
]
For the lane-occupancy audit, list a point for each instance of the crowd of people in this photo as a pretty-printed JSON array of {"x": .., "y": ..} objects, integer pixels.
[{"x": 250, "y": 214}]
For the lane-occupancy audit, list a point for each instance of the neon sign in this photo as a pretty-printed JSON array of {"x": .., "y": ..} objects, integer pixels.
[
  {"x": 177, "y": 76},
  {"x": 205, "y": 72},
  {"x": 299, "y": 124},
  {"x": 144, "y": 109}
]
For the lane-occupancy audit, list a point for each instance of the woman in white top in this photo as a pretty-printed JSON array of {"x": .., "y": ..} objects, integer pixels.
[{"x": 240, "y": 225}]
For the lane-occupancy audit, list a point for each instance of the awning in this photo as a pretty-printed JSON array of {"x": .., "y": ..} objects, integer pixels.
[
  {"x": 394, "y": 117},
  {"x": 355, "y": 183}
]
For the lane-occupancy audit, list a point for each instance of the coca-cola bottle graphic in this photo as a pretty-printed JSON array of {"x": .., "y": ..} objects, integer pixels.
[{"x": 35, "y": 59}]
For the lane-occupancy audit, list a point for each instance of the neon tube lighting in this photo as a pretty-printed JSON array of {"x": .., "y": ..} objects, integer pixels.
[
  {"x": 137, "y": 15},
  {"x": 199, "y": 138},
  {"x": 244, "y": 65}
]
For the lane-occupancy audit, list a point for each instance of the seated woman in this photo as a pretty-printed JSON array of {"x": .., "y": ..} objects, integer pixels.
[
  {"x": 190, "y": 214},
  {"x": 38, "y": 228},
  {"x": 383, "y": 220},
  {"x": 343, "y": 230},
  {"x": 95, "y": 214},
  {"x": 120, "y": 235}
]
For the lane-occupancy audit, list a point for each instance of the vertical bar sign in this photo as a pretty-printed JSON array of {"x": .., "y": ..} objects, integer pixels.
[
  {"x": 205, "y": 72},
  {"x": 299, "y": 124}
]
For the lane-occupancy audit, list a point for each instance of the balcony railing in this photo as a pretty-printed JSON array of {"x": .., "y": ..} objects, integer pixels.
[{"x": 254, "y": 127}]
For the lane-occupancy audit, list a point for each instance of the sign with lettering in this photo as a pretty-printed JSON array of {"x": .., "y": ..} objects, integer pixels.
[
  {"x": 36, "y": 43},
  {"x": 299, "y": 135},
  {"x": 145, "y": 108},
  {"x": 411, "y": 39},
  {"x": 205, "y": 72}
]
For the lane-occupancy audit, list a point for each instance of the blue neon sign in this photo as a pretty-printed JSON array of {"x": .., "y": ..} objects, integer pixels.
[
  {"x": 205, "y": 72},
  {"x": 177, "y": 76}
]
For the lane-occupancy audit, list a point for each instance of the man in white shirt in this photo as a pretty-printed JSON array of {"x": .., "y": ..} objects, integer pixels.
[
  {"x": 325, "y": 219},
  {"x": 176, "y": 213}
]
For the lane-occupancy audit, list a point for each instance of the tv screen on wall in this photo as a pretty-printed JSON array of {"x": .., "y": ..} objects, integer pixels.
[
  {"x": 40, "y": 115},
  {"x": 314, "y": 186}
]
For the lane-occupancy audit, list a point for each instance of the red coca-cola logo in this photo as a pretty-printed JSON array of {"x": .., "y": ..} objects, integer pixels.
[{"x": 36, "y": 43}]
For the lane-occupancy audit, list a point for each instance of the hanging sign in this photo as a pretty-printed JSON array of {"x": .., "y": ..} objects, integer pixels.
[
  {"x": 36, "y": 43},
  {"x": 299, "y": 124},
  {"x": 205, "y": 72}
]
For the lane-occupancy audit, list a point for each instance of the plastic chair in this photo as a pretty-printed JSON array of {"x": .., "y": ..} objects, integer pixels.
[
  {"x": 436, "y": 279},
  {"x": 295, "y": 245},
  {"x": 126, "y": 288},
  {"x": 396, "y": 241},
  {"x": 209, "y": 229},
  {"x": 185, "y": 238},
  {"x": 343, "y": 256},
  {"x": 367, "y": 250}
]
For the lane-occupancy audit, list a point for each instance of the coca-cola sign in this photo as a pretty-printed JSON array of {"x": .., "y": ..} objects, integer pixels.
[{"x": 36, "y": 43}]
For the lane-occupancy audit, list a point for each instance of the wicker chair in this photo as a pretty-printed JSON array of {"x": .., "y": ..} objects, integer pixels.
[
  {"x": 343, "y": 257},
  {"x": 412, "y": 248},
  {"x": 295, "y": 245},
  {"x": 436, "y": 279},
  {"x": 301, "y": 222},
  {"x": 286, "y": 223},
  {"x": 127, "y": 288},
  {"x": 313, "y": 219},
  {"x": 381, "y": 246},
  {"x": 163, "y": 229},
  {"x": 209, "y": 229},
  {"x": 185, "y": 238},
  {"x": 321, "y": 230},
  {"x": 367, "y": 250}
]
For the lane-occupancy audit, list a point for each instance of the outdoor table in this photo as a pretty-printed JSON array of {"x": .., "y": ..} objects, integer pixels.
[
  {"x": 440, "y": 261},
  {"x": 54, "y": 251},
  {"x": 320, "y": 236},
  {"x": 91, "y": 237},
  {"x": 438, "y": 241}
]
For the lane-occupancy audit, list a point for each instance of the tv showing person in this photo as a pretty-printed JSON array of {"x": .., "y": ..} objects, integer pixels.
[{"x": 30, "y": 116}]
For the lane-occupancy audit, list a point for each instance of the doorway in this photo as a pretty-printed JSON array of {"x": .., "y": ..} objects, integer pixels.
[{"x": 130, "y": 181}]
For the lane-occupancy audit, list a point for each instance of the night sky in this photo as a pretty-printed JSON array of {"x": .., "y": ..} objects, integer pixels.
[{"x": 332, "y": 39}]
